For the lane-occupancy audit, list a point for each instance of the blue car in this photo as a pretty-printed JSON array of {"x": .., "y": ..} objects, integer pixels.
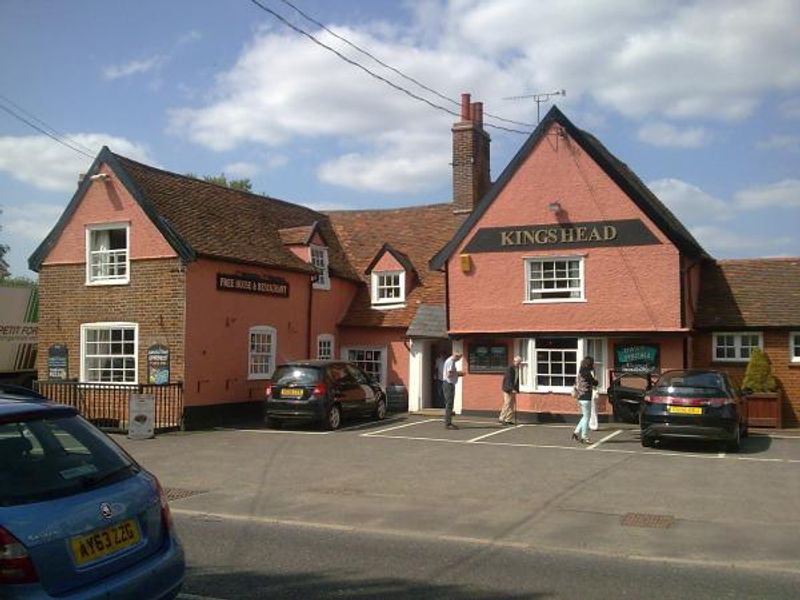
[{"x": 79, "y": 518}]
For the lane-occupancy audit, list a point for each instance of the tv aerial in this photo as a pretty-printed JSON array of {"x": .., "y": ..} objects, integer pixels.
[{"x": 539, "y": 99}]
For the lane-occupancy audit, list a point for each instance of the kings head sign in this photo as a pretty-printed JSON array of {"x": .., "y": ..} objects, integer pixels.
[{"x": 631, "y": 232}]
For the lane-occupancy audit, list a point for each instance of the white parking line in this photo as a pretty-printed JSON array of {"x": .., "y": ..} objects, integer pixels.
[
  {"x": 605, "y": 439},
  {"x": 380, "y": 431},
  {"x": 486, "y": 435}
]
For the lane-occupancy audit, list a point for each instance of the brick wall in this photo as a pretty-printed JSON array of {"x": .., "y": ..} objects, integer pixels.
[
  {"x": 470, "y": 165},
  {"x": 154, "y": 299},
  {"x": 776, "y": 347}
]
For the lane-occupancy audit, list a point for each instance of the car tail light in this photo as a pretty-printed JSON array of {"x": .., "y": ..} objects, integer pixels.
[
  {"x": 16, "y": 565},
  {"x": 166, "y": 515},
  {"x": 319, "y": 391},
  {"x": 268, "y": 390},
  {"x": 722, "y": 401}
]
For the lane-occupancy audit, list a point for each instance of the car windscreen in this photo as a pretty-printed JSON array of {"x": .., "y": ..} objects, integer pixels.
[
  {"x": 296, "y": 375},
  {"x": 47, "y": 458},
  {"x": 688, "y": 384}
]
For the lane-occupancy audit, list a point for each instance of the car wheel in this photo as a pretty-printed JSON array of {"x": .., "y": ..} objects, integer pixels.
[
  {"x": 736, "y": 442},
  {"x": 648, "y": 441},
  {"x": 380, "y": 408},
  {"x": 333, "y": 419}
]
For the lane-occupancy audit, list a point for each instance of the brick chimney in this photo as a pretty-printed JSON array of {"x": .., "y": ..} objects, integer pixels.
[{"x": 470, "y": 157}]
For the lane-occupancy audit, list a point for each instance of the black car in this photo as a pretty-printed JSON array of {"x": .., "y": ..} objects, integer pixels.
[
  {"x": 626, "y": 394},
  {"x": 322, "y": 391},
  {"x": 694, "y": 403}
]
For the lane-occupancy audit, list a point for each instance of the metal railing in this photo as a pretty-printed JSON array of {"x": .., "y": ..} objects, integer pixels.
[{"x": 106, "y": 404}]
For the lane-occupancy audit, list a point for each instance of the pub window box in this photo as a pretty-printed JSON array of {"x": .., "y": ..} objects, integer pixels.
[
  {"x": 108, "y": 254},
  {"x": 554, "y": 279},
  {"x": 735, "y": 346}
]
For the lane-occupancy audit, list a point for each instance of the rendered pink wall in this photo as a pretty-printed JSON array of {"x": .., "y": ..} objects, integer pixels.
[
  {"x": 217, "y": 331},
  {"x": 394, "y": 339},
  {"x": 329, "y": 308},
  {"x": 387, "y": 262},
  {"x": 626, "y": 288},
  {"x": 108, "y": 202}
]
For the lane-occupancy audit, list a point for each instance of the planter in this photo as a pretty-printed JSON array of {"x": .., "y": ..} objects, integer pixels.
[{"x": 764, "y": 409}]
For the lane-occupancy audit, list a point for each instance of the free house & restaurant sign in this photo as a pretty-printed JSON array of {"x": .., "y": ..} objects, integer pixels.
[{"x": 252, "y": 284}]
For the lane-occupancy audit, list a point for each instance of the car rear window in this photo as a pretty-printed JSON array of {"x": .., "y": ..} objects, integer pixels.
[
  {"x": 42, "y": 459},
  {"x": 293, "y": 375},
  {"x": 686, "y": 384}
]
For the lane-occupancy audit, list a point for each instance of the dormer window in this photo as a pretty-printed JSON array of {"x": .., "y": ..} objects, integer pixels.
[
  {"x": 319, "y": 258},
  {"x": 107, "y": 254},
  {"x": 388, "y": 287}
]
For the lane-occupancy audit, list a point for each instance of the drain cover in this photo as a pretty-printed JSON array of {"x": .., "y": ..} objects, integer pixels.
[
  {"x": 647, "y": 520},
  {"x": 179, "y": 493}
]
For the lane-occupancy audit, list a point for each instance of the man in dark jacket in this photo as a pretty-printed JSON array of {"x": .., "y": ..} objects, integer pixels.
[{"x": 510, "y": 389}]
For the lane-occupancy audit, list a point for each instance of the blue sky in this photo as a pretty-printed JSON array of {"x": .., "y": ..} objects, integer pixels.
[{"x": 700, "y": 99}]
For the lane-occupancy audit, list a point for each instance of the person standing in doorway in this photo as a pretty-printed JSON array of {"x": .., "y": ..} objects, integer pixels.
[
  {"x": 583, "y": 390},
  {"x": 437, "y": 376},
  {"x": 450, "y": 375},
  {"x": 510, "y": 389}
]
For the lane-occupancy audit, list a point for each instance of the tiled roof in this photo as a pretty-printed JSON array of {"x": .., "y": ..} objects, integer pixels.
[
  {"x": 417, "y": 232},
  {"x": 748, "y": 293},
  {"x": 296, "y": 235},
  {"x": 220, "y": 222},
  {"x": 430, "y": 321}
]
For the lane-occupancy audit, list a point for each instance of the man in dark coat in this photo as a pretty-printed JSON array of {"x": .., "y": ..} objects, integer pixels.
[{"x": 510, "y": 389}]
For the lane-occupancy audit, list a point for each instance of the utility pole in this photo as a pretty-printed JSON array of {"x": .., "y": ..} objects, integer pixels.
[{"x": 539, "y": 99}]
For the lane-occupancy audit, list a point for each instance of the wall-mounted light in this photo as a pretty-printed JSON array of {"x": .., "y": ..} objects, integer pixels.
[{"x": 554, "y": 207}]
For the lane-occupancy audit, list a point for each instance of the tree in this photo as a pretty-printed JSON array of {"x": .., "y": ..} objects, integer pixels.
[
  {"x": 243, "y": 185},
  {"x": 4, "y": 269},
  {"x": 758, "y": 377}
]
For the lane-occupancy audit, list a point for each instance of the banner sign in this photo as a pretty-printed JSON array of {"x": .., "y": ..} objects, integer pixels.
[
  {"x": 251, "y": 284},
  {"x": 636, "y": 358},
  {"x": 593, "y": 234}
]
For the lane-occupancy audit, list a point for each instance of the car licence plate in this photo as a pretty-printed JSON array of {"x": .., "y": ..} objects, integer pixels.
[
  {"x": 103, "y": 542},
  {"x": 292, "y": 393},
  {"x": 685, "y": 410}
]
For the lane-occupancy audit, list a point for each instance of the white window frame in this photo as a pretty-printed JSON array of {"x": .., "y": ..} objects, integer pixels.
[
  {"x": 90, "y": 230},
  {"x": 273, "y": 333},
  {"x": 328, "y": 339},
  {"x": 320, "y": 262},
  {"x": 109, "y": 325},
  {"x": 384, "y": 350},
  {"x": 794, "y": 348},
  {"x": 737, "y": 344},
  {"x": 526, "y": 348},
  {"x": 528, "y": 260},
  {"x": 376, "y": 285}
]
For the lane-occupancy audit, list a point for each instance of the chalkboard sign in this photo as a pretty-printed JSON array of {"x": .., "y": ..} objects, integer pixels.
[
  {"x": 486, "y": 358},
  {"x": 636, "y": 358},
  {"x": 158, "y": 364},
  {"x": 57, "y": 362}
]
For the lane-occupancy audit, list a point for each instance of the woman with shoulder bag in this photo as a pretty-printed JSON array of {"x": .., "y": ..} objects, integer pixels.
[{"x": 583, "y": 389}]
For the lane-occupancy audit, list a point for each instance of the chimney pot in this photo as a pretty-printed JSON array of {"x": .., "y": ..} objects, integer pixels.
[
  {"x": 477, "y": 113},
  {"x": 465, "y": 108}
]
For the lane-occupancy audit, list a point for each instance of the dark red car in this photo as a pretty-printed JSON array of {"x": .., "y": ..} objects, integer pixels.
[{"x": 694, "y": 403}]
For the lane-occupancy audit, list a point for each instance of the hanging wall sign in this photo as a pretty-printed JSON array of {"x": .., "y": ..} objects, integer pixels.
[
  {"x": 158, "y": 364},
  {"x": 486, "y": 358},
  {"x": 636, "y": 358},
  {"x": 252, "y": 284},
  {"x": 593, "y": 234},
  {"x": 57, "y": 362}
]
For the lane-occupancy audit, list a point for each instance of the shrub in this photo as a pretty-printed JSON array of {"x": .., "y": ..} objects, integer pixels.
[{"x": 758, "y": 377}]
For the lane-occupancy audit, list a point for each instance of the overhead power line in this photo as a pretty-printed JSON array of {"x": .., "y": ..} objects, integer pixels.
[
  {"x": 393, "y": 69},
  {"x": 60, "y": 139},
  {"x": 371, "y": 73}
]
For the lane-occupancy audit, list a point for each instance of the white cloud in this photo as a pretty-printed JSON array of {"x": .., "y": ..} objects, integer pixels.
[
  {"x": 790, "y": 108},
  {"x": 724, "y": 242},
  {"x": 779, "y": 141},
  {"x": 133, "y": 67},
  {"x": 666, "y": 135},
  {"x": 401, "y": 163},
  {"x": 31, "y": 221},
  {"x": 782, "y": 194},
  {"x": 241, "y": 169},
  {"x": 48, "y": 165},
  {"x": 689, "y": 202}
]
